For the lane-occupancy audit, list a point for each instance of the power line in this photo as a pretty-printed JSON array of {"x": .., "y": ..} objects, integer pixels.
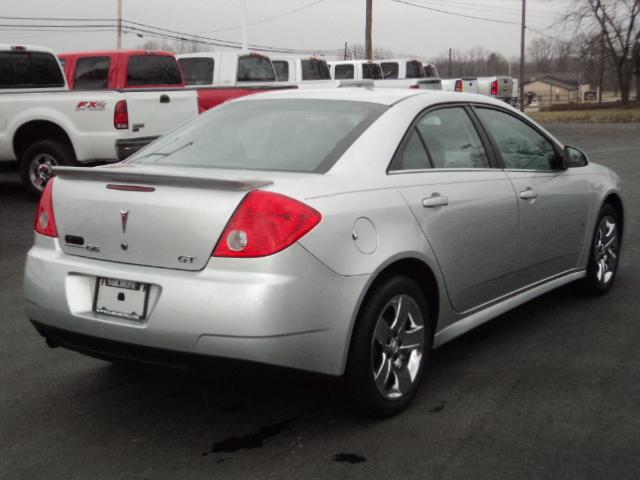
[{"x": 486, "y": 19}]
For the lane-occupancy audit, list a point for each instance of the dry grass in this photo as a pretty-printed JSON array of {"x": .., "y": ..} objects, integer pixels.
[{"x": 607, "y": 115}]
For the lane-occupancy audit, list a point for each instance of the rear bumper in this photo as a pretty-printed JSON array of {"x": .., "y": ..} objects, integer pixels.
[
  {"x": 287, "y": 309},
  {"x": 128, "y": 146}
]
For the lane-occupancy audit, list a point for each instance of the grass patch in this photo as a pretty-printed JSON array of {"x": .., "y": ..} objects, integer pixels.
[{"x": 603, "y": 115}]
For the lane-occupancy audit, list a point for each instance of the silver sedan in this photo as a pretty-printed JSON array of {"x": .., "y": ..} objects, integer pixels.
[{"x": 345, "y": 231}]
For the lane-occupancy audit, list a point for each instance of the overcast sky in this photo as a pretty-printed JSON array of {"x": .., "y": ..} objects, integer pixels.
[{"x": 325, "y": 25}]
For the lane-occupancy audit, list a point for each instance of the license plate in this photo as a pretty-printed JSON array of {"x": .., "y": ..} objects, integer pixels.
[{"x": 121, "y": 298}]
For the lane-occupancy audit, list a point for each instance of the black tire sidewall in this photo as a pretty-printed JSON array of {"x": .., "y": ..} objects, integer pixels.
[
  {"x": 62, "y": 153},
  {"x": 360, "y": 383},
  {"x": 591, "y": 283}
]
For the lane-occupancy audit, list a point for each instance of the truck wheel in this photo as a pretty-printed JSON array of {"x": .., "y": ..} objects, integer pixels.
[{"x": 37, "y": 161}]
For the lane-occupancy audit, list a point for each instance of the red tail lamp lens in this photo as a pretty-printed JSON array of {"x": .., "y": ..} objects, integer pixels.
[
  {"x": 121, "y": 115},
  {"x": 45, "y": 218}
]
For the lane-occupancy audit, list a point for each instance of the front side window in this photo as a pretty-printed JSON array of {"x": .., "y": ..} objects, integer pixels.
[
  {"x": 315, "y": 69},
  {"x": 92, "y": 73},
  {"x": 255, "y": 68},
  {"x": 29, "y": 70},
  {"x": 197, "y": 70},
  {"x": 153, "y": 70},
  {"x": 521, "y": 146},
  {"x": 343, "y": 72},
  {"x": 389, "y": 70},
  {"x": 414, "y": 69},
  {"x": 371, "y": 71},
  {"x": 282, "y": 70},
  {"x": 452, "y": 140}
]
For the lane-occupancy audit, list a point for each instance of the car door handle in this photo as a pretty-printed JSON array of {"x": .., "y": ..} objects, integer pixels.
[
  {"x": 435, "y": 200},
  {"x": 528, "y": 194}
]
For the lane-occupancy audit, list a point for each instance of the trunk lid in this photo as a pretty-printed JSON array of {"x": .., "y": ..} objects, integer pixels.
[{"x": 172, "y": 221}]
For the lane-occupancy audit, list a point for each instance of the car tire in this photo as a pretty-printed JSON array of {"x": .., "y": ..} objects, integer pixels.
[
  {"x": 36, "y": 162},
  {"x": 604, "y": 253},
  {"x": 383, "y": 372}
]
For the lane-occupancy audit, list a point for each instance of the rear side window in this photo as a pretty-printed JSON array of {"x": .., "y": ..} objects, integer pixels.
[
  {"x": 153, "y": 70},
  {"x": 414, "y": 69},
  {"x": 30, "y": 70},
  {"x": 315, "y": 69},
  {"x": 343, "y": 72},
  {"x": 282, "y": 70},
  {"x": 390, "y": 70},
  {"x": 255, "y": 68},
  {"x": 197, "y": 71},
  {"x": 371, "y": 71},
  {"x": 92, "y": 73}
]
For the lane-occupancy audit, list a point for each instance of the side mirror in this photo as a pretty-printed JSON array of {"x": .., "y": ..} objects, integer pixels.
[{"x": 573, "y": 157}]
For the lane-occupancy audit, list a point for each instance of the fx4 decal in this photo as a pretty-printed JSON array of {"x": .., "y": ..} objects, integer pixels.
[{"x": 86, "y": 105}]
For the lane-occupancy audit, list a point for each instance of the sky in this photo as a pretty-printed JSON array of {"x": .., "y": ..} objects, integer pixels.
[{"x": 316, "y": 25}]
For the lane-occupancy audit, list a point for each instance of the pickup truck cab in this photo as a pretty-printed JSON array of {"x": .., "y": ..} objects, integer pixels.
[
  {"x": 119, "y": 69},
  {"x": 43, "y": 124},
  {"x": 222, "y": 76},
  {"x": 299, "y": 70},
  {"x": 355, "y": 70},
  {"x": 402, "y": 68}
]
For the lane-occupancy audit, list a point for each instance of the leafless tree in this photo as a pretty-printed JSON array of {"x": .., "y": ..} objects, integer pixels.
[{"x": 541, "y": 51}]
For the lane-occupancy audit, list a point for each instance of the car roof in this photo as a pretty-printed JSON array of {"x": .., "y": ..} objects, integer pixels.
[
  {"x": 113, "y": 53},
  {"x": 382, "y": 96}
]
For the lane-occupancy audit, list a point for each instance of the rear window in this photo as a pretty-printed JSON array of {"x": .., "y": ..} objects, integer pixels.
[
  {"x": 343, "y": 72},
  {"x": 255, "y": 68},
  {"x": 30, "y": 70},
  {"x": 390, "y": 70},
  {"x": 92, "y": 73},
  {"x": 431, "y": 71},
  {"x": 153, "y": 70},
  {"x": 282, "y": 70},
  {"x": 197, "y": 71},
  {"x": 315, "y": 69},
  {"x": 371, "y": 71},
  {"x": 293, "y": 135},
  {"x": 414, "y": 69}
]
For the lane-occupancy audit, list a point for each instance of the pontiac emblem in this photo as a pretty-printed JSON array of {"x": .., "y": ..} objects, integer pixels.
[{"x": 124, "y": 216}]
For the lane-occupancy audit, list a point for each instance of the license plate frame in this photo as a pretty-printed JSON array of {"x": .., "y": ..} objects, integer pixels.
[{"x": 110, "y": 291}]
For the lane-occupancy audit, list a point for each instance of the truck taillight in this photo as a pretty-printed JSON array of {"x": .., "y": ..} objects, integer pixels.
[
  {"x": 265, "y": 223},
  {"x": 459, "y": 85},
  {"x": 45, "y": 218},
  {"x": 494, "y": 87},
  {"x": 121, "y": 116}
]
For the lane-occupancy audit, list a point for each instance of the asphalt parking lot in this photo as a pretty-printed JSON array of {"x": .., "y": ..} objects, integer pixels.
[{"x": 549, "y": 390}]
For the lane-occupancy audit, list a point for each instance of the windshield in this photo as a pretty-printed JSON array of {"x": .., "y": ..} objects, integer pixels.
[
  {"x": 292, "y": 135},
  {"x": 153, "y": 70}
]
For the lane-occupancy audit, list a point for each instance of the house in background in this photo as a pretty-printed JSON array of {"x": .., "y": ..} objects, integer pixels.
[{"x": 549, "y": 90}]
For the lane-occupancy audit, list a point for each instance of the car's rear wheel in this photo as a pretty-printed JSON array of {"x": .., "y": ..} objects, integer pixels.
[
  {"x": 389, "y": 349},
  {"x": 38, "y": 160},
  {"x": 605, "y": 251}
]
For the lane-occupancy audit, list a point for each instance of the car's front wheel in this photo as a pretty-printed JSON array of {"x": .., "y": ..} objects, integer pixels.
[
  {"x": 389, "y": 349},
  {"x": 605, "y": 252}
]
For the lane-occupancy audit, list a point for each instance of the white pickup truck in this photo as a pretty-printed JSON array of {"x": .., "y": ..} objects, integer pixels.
[{"x": 42, "y": 124}]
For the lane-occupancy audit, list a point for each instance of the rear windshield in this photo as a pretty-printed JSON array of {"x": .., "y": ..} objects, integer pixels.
[
  {"x": 315, "y": 69},
  {"x": 92, "y": 73},
  {"x": 293, "y": 135},
  {"x": 282, "y": 70},
  {"x": 153, "y": 70},
  {"x": 30, "y": 70},
  {"x": 371, "y": 71},
  {"x": 414, "y": 69},
  {"x": 343, "y": 72},
  {"x": 390, "y": 70},
  {"x": 255, "y": 68},
  {"x": 197, "y": 71}
]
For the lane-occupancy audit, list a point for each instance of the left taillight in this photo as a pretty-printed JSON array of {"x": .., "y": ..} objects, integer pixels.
[
  {"x": 459, "y": 86},
  {"x": 121, "y": 115},
  {"x": 45, "y": 218},
  {"x": 494, "y": 88},
  {"x": 265, "y": 223}
]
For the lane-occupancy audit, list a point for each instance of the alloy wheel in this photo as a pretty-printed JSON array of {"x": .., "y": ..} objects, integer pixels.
[
  {"x": 606, "y": 250},
  {"x": 40, "y": 170}
]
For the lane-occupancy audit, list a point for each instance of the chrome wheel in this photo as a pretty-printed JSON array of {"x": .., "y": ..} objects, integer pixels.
[
  {"x": 40, "y": 169},
  {"x": 398, "y": 346},
  {"x": 605, "y": 250}
]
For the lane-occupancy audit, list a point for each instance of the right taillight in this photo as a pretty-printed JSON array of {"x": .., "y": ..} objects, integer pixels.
[
  {"x": 121, "y": 115},
  {"x": 458, "y": 85},
  {"x": 265, "y": 223},
  {"x": 494, "y": 87},
  {"x": 45, "y": 218}
]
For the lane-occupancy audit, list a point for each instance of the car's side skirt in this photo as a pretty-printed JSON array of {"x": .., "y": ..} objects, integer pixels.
[{"x": 498, "y": 308}]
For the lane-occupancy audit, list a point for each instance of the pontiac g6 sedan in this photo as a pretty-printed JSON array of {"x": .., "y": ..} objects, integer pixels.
[{"x": 345, "y": 231}]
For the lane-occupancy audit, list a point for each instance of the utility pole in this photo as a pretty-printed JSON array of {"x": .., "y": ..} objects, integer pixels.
[
  {"x": 119, "y": 42},
  {"x": 601, "y": 73},
  {"x": 345, "y": 50},
  {"x": 449, "y": 73},
  {"x": 243, "y": 8},
  {"x": 367, "y": 33},
  {"x": 521, "y": 79}
]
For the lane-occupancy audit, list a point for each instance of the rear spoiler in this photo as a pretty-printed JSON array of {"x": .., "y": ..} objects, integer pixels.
[{"x": 124, "y": 175}]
